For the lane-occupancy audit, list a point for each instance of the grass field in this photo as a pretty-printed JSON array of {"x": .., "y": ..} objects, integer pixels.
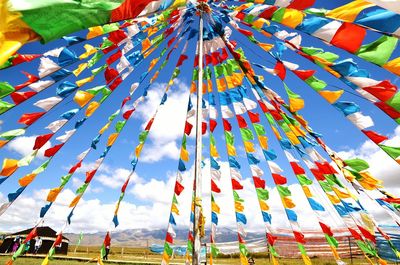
[
  {"x": 120, "y": 255},
  {"x": 69, "y": 260}
]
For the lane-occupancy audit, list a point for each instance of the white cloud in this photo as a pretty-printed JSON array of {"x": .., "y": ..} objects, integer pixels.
[
  {"x": 381, "y": 165},
  {"x": 168, "y": 126},
  {"x": 23, "y": 145}
]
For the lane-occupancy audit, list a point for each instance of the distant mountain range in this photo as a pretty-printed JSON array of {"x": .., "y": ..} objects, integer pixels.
[{"x": 142, "y": 237}]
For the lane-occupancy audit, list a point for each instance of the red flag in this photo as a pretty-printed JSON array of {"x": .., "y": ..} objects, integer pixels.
[
  {"x": 213, "y": 124},
  {"x": 271, "y": 239},
  {"x": 393, "y": 113},
  {"x": 90, "y": 175},
  {"x": 21, "y": 58},
  {"x": 117, "y": 36},
  {"x": 123, "y": 188},
  {"x": 31, "y": 235},
  {"x": 224, "y": 55},
  {"x": 267, "y": 13},
  {"x": 367, "y": 234},
  {"x": 42, "y": 140},
  {"x": 349, "y": 37},
  {"x": 203, "y": 127},
  {"x": 254, "y": 117},
  {"x": 169, "y": 238},
  {"x": 188, "y": 128},
  {"x": 304, "y": 74},
  {"x": 53, "y": 150},
  {"x": 31, "y": 79},
  {"x": 301, "y": 4},
  {"x": 279, "y": 180},
  {"x": 116, "y": 83},
  {"x": 227, "y": 125},
  {"x": 74, "y": 168},
  {"x": 297, "y": 168},
  {"x": 317, "y": 174},
  {"x": 263, "y": 106},
  {"x": 58, "y": 240},
  {"x": 107, "y": 240},
  {"x": 326, "y": 229},
  {"x": 178, "y": 188},
  {"x": 182, "y": 58},
  {"x": 242, "y": 121},
  {"x": 214, "y": 187},
  {"x": 236, "y": 185},
  {"x": 259, "y": 182},
  {"x": 19, "y": 97},
  {"x": 375, "y": 137},
  {"x": 114, "y": 57},
  {"x": 325, "y": 168},
  {"x": 148, "y": 125},
  {"x": 129, "y": 9},
  {"x": 355, "y": 234},
  {"x": 383, "y": 91},
  {"x": 30, "y": 118},
  {"x": 280, "y": 70},
  {"x": 127, "y": 114},
  {"x": 110, "y": 74},
  {"x": 299, "y": 237}
]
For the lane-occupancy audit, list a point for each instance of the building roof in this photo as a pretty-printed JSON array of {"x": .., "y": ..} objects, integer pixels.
[{"x": 42, "y": 231}]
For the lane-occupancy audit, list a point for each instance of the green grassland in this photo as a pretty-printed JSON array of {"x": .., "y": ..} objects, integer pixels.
[{"x": 129, "y": 255}]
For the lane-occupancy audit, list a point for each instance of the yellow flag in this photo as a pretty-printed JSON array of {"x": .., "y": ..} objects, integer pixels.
[
  {"x": 350, "y": 11},
  {"x": 53, "y": 193},
  {"x": 146, "y": 44},
  {"x": 229, "y": 82},
  {"x": 105, "y": 127},
  {"x": 249, "y": 147},
  {"x": 174, "y": 209},
  {"x": 331, "y": 96},
  {"x": 80, "y": 69},
  {"x": 221, "y": 86},
  {"x": 89, "y": 51},
  {"x": 75, "y": 201},
  {"x": 296, "y": 104},
  {"x": 82, "y": 97},
  {"x": 239, "y": 207},
  {"x": 243, "y": 259},
  {"x": 9, "y": 167},
  {"x": 288, "y": 203},
  {"x": 94, "y": 32},
  {"x": 112, "y": 138},
  {"x": 334, "y": 199},
  {"x": 92, "y": 108},
  {"x": 306, "y": 259},
  {"x": 213, "y": 151},
  {"x": 293, "y": 138},
  {"x": 266, "y": 46},
  {"x": 263, "y": 141},
  {"x": 184, "y": 155},
  {"x": 45, "y": 261},
  {"x": 86, "y": 80},
  {"x": 292, "y": 17},
  {"x": 26, "y": 180},
  {"x": 231, "y": 150},
  {"x": 263, "y": 205},
  {"x": 307, "y": 191},
  {"x": 393, "y": 66},
  {"x": 215, "y": 207},
  {"x": 138, "y": 150},
  {"x": 341, "y": 194}
]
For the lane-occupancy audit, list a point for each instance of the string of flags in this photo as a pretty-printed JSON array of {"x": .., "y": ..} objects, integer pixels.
[{"x": 119, "y": 36}]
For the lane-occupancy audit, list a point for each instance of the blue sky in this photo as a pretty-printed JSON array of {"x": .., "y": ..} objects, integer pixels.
[{"x": 338, "y": 133}]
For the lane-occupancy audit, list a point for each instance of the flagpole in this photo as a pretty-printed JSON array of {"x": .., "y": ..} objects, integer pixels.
[{"x": 197, "y": 168}]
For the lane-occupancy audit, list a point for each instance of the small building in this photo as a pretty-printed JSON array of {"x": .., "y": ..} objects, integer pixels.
[{"x": 47, "y": 234}]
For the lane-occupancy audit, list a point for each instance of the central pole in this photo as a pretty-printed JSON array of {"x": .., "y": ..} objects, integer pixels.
[{"x": 197, "y": 168}]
